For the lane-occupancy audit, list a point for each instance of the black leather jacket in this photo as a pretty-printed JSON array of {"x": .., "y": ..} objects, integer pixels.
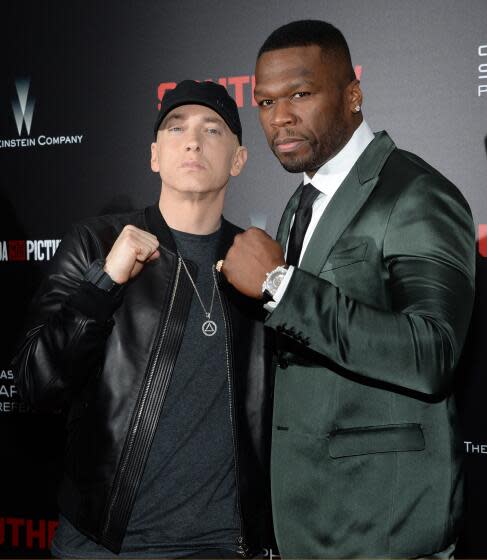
[{"x": 108, "y": 363}]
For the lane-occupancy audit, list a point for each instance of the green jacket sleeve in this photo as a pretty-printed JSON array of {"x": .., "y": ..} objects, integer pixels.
[{"x": 414, "y": 342}]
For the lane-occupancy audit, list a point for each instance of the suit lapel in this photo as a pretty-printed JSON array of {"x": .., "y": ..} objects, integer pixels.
[{"x": 346, "y": 203}]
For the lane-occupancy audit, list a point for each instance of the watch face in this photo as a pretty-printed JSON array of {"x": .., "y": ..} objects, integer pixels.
[{"x": 274, "y": 279}]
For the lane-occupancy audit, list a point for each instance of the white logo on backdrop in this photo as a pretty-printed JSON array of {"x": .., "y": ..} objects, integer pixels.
[
  {"x": 23, "y": 107},
  {"x": 482, "y": 86},
  {"x": 471, "y": 447},
  {"x": 9, "y": 401}
]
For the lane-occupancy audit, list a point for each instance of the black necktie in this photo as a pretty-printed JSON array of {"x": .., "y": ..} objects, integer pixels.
[{"x": 302, "y": 217}]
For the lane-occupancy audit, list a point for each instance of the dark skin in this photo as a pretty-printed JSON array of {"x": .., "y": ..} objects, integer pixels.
[{"x": 307, "y": 108}]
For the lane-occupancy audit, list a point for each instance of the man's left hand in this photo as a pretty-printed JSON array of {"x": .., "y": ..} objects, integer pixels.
[{"x": 252, "y": 255}]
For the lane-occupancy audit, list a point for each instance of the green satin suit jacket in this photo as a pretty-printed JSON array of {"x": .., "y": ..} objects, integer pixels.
[{"x": 366, "y": 458}]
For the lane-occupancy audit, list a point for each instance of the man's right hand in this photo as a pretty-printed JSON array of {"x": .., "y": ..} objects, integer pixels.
[{"x": 132, "y": 249}]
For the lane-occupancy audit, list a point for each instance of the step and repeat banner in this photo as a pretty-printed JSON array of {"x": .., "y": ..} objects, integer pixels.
[{"x": 80, "y": 86}]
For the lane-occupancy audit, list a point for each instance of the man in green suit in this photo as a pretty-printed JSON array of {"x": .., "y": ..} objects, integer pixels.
[{"x": 369, "y": 290}]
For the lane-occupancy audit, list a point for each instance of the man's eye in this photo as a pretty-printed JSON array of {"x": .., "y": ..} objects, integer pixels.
[
  {"x": 175, "y": 129},
  {"x": 300, "y": 94},
  {"x": 265, "y": 103},
  {"x": 214, "y": 131}
]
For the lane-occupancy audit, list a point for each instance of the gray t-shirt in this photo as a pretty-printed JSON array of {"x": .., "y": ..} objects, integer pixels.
[{"x": 187, "y": 496}]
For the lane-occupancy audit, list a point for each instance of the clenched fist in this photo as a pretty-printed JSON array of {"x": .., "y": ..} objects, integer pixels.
[
  {"x": 252, "y": 255},
  {"x": 131, "y": 250}
]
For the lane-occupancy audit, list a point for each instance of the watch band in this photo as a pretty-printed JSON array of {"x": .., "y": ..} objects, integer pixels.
[
  {"x": 267, "y": 296},
  {"x": 98, "y": 277}
]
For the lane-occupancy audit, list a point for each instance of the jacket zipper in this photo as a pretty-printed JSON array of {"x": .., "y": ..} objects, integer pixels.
[
  {"x": 242, "y": 546},
  {"x": 133, "y": 433}
]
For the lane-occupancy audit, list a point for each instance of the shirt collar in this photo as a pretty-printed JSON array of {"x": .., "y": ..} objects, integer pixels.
[{"x": 330, "y": 175}]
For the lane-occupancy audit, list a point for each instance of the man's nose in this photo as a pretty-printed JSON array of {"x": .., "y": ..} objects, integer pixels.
[
  {"x": 282, "y": 113},
  {"x": 193, "y": 143}
]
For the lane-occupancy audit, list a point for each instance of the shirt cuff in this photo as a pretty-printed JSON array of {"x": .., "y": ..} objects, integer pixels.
[{"x": 271, "y": 305}]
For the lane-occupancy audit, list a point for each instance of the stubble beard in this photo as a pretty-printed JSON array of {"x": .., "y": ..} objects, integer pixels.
[
  {"x": 331, "y": 142},
  {"x": 302, "y": 164}
]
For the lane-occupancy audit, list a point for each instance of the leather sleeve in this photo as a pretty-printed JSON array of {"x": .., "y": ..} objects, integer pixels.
[
  {"x": 68, "y": 326},
  {"x": 429, "y": 261}
]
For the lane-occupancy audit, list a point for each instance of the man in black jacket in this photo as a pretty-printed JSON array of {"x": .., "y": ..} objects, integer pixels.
[{"x": 157, "y": 360}]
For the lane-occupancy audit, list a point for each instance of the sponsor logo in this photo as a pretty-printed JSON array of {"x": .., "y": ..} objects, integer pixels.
[
  {"x": 483, "y": 240},
  {"x": 23, "y": 111},
  {"x": 482, "y": 85},
  {"x": 241, "y": 88},
  {"x": 9, "y": 400},
  {"x": 28, "y": 249},
  {"x": 23, "y": 107},
  {"x": 18, "y": 532},
  {"x": 471, "y": 447}
]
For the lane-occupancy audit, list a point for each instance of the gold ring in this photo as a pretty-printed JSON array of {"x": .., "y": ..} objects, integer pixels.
[{"x": 219, "y": 265}]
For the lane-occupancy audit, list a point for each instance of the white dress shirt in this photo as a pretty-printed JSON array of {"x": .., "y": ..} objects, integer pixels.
[{"x": 327, "y": 179}]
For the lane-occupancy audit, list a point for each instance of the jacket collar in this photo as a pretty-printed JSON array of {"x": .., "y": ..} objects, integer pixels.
[
  {"x": 348, "y": 200},
  {"x": 157, "y": 225}
]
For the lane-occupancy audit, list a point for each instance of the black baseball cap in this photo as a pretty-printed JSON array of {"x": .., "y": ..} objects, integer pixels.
[{"x": 209, "y": 94}]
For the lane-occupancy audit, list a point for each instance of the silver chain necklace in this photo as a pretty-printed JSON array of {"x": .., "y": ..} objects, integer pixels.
[{"x": 209, "y": 327}]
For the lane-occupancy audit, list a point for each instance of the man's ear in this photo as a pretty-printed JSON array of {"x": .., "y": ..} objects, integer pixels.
[
  {"x": 355, "y": 98},
  {"x": 239, "y": 160},
  {"x": 154, "y": 158}
]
